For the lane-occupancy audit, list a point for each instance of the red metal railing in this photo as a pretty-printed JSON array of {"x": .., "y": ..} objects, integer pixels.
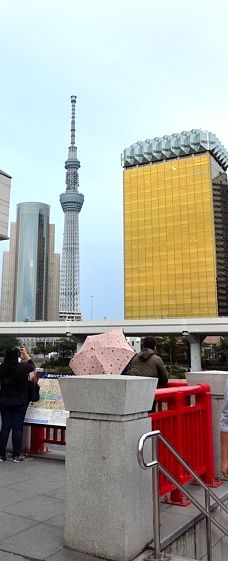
[
  {"x": 175, "y": 383},
  {"x": 184, "y": 416},
  {"x": 42, "y": 435}
]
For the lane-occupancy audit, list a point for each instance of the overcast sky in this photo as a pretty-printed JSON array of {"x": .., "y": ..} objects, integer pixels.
[{"x": 140, "y": 70}]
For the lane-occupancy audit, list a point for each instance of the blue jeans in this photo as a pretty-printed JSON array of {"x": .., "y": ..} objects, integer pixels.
[{"x": 12, "y": 419}]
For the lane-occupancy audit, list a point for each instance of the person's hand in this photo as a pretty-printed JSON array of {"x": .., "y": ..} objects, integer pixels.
[
  {"x": 24, "y": 354},
  {"x": 34, "y": 376},
  {"x": 224, "y": 468}
]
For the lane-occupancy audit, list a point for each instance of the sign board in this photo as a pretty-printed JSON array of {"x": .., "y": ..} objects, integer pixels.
[
  {"x": 39, "y": 416},
  {"x": 50, "y": 409}
]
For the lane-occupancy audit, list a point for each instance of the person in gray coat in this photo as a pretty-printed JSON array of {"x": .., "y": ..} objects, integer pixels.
[{"x": 148, "y": 363}]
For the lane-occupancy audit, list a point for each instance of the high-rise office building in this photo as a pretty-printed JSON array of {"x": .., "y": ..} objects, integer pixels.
[
  {"x": 5, "y": 185},
  {"x": 71, "y": 202},
  {"x": 176, "y": 227},
  {"x": 30, "y": 273}
]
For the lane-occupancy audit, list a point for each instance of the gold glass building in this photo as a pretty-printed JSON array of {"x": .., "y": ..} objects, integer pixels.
[{"x": 176, "y": 227}]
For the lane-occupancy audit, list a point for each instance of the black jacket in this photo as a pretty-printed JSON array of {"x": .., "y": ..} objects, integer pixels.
[{"x": 14, "y": 386}]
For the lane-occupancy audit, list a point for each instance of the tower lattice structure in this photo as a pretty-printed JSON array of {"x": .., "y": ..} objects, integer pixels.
[{"x": 71, "y": 202}]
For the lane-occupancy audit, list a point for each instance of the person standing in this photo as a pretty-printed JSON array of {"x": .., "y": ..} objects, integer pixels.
[
  {"x": 14, "y": 399},
  {"x": 224, "y": 434},
  {"x": 148, "y": 363}
]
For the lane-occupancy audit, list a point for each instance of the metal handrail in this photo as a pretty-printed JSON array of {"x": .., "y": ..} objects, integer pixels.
[{"x": 156, "y": 466}]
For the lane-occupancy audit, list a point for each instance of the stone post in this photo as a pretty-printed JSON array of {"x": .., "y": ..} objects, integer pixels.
[
  {"x": 108, "y": 509},
  {"x": 216, "y": 379}
]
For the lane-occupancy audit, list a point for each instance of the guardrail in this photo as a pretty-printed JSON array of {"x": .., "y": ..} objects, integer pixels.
[
  {"x": 184, "y": 416},
  {"x": 40, "y": 435}
]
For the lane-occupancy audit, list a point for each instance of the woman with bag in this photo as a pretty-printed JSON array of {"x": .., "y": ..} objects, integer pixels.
[{"x": 14, "y": 398}]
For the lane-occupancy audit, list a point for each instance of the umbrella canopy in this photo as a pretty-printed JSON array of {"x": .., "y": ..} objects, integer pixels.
[{"x": 107, "y": 353}]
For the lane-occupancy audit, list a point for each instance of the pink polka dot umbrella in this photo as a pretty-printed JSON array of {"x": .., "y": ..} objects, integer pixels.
[{"x": 107, "y": 353}]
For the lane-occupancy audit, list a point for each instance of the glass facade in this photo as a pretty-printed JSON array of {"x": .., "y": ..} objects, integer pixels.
[
  {"x": 172, "y": 233},
  {"x": 220, "y": 202},
  {"x": 5, "y": 186},
  {"x": 31, "y": 261}
]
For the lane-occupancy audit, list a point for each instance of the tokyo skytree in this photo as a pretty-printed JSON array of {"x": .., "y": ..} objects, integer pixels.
[{"x": 71, "y": 202}]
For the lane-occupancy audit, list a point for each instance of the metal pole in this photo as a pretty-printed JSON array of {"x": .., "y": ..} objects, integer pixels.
[
  {"x": 170, "y": 477},
  {"x": 192, "y": 499},
  {"x": 91, "y": 308},
  {"x": 208, "y": 525},
  {"x": 156, "y": 505}
]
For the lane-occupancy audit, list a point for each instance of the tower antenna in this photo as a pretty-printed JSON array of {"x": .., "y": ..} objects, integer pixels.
[
  {"x": 73, "y": 104},
  {"x": 71, "y": 202}
]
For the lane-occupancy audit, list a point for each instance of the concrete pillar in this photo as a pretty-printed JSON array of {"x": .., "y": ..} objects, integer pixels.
[
  {"x": 79, "y": 345},
  {"x": 108, "y": 496},
  {"x": 79, "y": 340},
  {"x": 195, "y": 352},
  {"x": 216, "y": 379}
]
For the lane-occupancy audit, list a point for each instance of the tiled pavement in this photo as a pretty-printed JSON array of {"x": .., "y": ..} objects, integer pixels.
[{"x": 32, "y": 512}]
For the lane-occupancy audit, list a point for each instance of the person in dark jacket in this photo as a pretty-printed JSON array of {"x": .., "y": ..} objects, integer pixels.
[
  {"x": 14, "y": 399},
  {"x": 148, "y": 363}
]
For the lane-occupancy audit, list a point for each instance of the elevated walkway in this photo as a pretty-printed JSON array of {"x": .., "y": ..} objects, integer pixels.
[{"x": 32, "y": 517}]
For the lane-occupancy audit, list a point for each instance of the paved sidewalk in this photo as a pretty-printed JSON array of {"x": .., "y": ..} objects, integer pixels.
[{"x": 32, "y": 513}]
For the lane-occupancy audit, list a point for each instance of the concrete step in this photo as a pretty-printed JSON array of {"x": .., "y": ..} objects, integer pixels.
[
  {"x": 174, "y": 558},
  {"x": 147, "y": 556}
]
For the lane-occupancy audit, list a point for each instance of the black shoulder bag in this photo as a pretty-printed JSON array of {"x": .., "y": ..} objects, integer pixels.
[{"x": 33, "y": 391}]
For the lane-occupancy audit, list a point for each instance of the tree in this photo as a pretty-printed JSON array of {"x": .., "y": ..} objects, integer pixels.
[
  {"x": 66, "y": 347},
  {"x": 42, "y": 348},
  {"x": 221, "y": 350},
  {"x": 174, "y": 350},
  {"x": 7, "y": 342}
]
